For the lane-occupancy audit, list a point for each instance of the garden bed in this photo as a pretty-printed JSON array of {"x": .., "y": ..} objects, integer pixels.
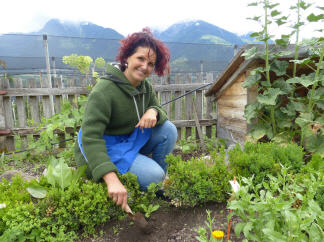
[{"x": 169, "y": 224}]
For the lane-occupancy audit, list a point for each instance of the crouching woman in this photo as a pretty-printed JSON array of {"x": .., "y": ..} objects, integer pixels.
[{"x": 123, "y": 122}]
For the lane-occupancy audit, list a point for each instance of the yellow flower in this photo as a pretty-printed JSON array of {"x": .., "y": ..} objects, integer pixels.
[{"x": 217, "y": 234}]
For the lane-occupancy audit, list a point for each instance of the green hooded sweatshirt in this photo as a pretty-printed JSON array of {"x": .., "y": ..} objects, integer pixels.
[{"x": 111, "y": 110}]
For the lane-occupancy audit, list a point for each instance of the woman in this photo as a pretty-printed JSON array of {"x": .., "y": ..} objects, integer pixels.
[{"x": 123, "y": 122}]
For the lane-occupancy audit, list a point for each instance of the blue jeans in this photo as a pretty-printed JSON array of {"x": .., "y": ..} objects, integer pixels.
[{"x": 161, "y": 143}]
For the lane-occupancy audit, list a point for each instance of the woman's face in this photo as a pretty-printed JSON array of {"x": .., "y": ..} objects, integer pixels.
[{"x": 140, "y": 65}]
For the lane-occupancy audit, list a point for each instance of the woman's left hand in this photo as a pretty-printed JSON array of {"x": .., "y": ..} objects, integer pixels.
[{"x": 148, "y": 120}]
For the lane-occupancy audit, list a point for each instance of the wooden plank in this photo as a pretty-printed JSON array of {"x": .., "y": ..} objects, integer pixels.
[
  {"x": 179, "y": 87},
  {"x": 236, "y": 88},
  {"x": 46, "y": 100},
  {"x": 16, "y": 92},
  {"x": 58, "y": 98},
  {"x": 33, "y": 102},
  {"x": 199, "y": 102},
  {"x": 188, "y": 106},
  {"x": 166, "y": 96},
  {"x": 234, "y": 101},
  {"x": 72, "y": 97},
  {"x": 229, "y": 112},
  {"x": 178, "y": 104},
  {"x": 3, "y": 146},
  {"x": 237, "y": 125},
  {"x": 21, "y": 113},
  {"x": 70, "y": 130},
  {"x": 209, "y": 106},
  {"x": 198, "y": 129},
  {"x": 9, "y": 120}
]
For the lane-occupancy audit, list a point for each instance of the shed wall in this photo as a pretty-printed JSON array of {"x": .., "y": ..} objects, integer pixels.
[{"x": 231, "y": 124}]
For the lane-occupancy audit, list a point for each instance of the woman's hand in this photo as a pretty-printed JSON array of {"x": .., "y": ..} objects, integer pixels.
[
  {"x": 148, "y": 120},
  {"x": 116, "y": 190}
]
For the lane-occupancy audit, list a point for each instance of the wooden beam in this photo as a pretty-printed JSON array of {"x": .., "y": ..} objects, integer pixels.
[
  {"x": 179, "y": 87},
  {"x": 46, "y": 91},
  {"x": 177, "y": 123}
]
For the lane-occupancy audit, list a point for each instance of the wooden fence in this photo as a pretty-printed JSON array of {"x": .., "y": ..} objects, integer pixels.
[{"x": 24, "y": 100}]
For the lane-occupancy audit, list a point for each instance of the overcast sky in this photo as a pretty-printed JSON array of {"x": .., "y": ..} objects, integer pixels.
[{"x": 127, "y": 16}]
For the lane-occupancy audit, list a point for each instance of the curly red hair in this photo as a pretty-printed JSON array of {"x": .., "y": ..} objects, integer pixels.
[{"x": 144, "y": 39}]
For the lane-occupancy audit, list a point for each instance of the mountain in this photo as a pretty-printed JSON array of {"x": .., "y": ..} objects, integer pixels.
[
  {"x": 198, "y": 32},
  {"x": 81, "y": 29}
]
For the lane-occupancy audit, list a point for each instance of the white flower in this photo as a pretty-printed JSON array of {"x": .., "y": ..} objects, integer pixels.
[
  {"x": 2, "y": 205},
  {"x": 235, "y": 185}
]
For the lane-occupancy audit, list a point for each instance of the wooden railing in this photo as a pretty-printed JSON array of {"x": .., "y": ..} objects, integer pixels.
[{"x": 30, "y": 99}]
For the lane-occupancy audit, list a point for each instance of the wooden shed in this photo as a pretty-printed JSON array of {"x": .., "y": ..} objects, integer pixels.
[{"x": 231, "y": 97}]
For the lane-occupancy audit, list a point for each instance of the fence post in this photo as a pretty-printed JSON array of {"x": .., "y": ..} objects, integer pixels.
[
  {"x": 48, "y": 83},
  {"x": 209, "y": 107},
  {"x": 53, "y": 67},
  {"x": 178, "y": 105},
  {"x": 9, "y": 121},
  {"x": 188, "y": 106}
]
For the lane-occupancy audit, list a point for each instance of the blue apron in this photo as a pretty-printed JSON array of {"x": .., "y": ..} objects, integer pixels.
[{"x": 123, "y": 149}]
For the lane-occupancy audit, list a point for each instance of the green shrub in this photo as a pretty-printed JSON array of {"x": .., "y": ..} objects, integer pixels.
[
  {"x": 12, "y": 195},
  {"x": 264, "y": 158},
  {"x": 64, "y": 213},
  {"x": 197, "y": 181}
]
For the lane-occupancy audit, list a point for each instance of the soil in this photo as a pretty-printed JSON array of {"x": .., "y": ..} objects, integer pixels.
[{"x": 170, "y": 224}]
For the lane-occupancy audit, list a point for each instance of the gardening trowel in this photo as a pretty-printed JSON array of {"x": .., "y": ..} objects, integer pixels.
[{"x": 139, "y": 221}]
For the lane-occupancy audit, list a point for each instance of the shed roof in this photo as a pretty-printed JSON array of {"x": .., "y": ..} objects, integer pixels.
[{"x": 239, "y": 64}]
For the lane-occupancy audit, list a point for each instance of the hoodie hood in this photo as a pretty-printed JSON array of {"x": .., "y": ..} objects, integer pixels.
[{"x": 115, "y": 75}]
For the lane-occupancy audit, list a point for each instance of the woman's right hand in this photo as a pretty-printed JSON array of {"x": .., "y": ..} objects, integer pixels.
[{"x": 116, "y": 190}]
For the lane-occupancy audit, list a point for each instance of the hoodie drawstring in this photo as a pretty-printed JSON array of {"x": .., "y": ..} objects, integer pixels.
[{"x": 138, "y": 115}]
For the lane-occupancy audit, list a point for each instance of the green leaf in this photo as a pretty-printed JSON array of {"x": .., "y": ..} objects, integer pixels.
[
  {"x": 59, "y": 173},
  {"x": 315, "y": 143},
  {"x": 271, "y": 6},
  {"x": 283, "y": 86},
  {"x": 299, "y": 106},
  {"x": 303, "y": 61},
  {"x": 253, "y": 4},
  {"x": 260, "y": 130},
  {"x": 78, "y": 174},
  {"x": 304, "y": 5},
  {"x": 282, "y": 42},
  {"x": 304, "y": 120},
  {"x": 275, "y": 13},
  {"x": 303, "y": 80},
  {"x": 279, "y": 67},
  {"x": 238, "y": 229},
  {"x": 251, "y": 80},
  {"x": 36, "y": 191},
  {"x": 315, "y": 234},
  {"x": 320, "y": 104},
  {"x": 269, "y": 96},
  {"x": 251, "y": 111},
  {"x": 247, "y": 228},
  {"x": 250, "y": 53},
  {"x": 314, "y": 18}
]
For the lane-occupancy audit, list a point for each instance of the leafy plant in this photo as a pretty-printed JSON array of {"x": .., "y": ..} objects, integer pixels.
[
  {"x": 148, "y": 210},
  {"x": 284, "y": 210},
  {"x": 197, "y": 181},
  {"x": 289, "y": 106},
  {"x": 261, "y": 159},
  {"x": 203, "y": 234}
]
